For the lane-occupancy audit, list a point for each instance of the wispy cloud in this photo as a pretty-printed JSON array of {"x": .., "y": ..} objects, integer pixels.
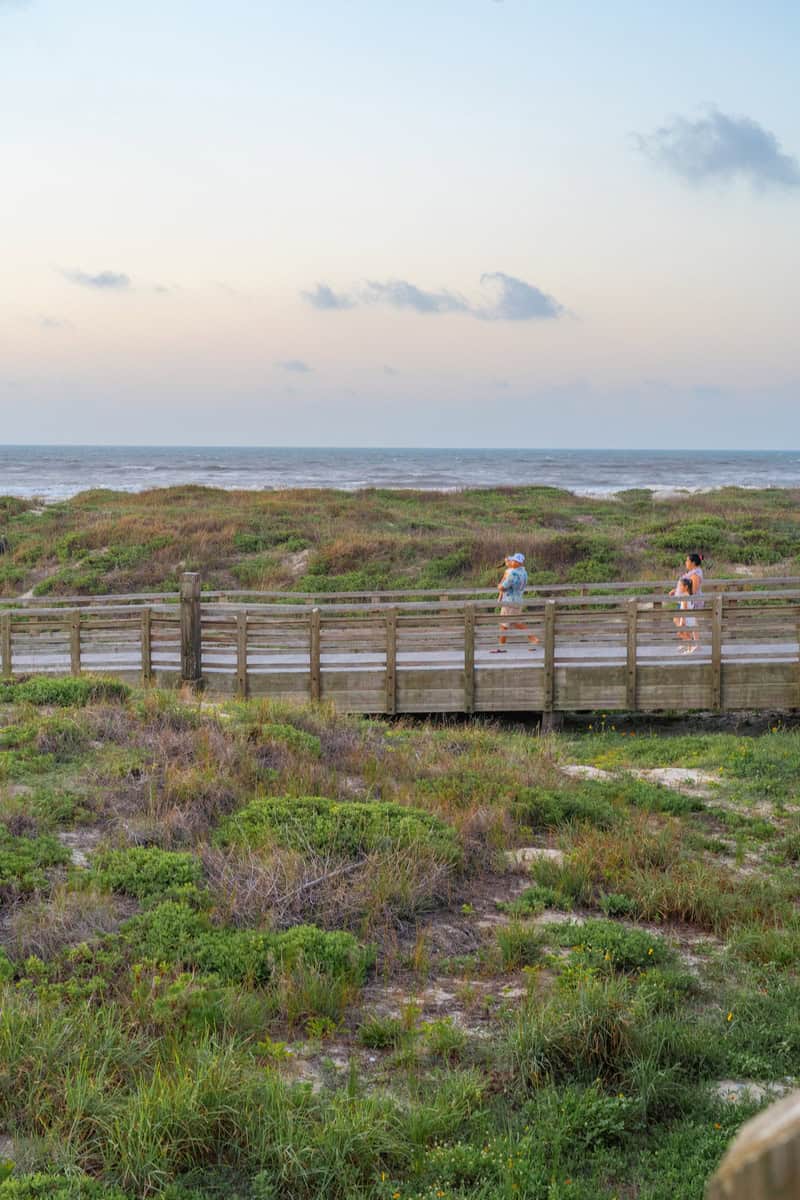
[
  {"x": 402, "y": 294},
  {"x": 722, "y": 148},
  {"x": 295, "y": 365},
  {"x": 516, "y": 300},
  {"x": 104, "y": 281},
  {"x": 512, "y": 299},
  {"x": 324, "y": 297},
  {"x": 387, "y": 370}
]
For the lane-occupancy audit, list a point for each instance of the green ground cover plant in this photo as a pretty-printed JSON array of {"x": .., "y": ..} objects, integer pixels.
[
  {"x": 208, "y": 986},
  {"x": 345, "y": 828}
]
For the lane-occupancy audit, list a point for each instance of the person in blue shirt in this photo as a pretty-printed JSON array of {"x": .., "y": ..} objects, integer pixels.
[{"x": 511, "y": 593}]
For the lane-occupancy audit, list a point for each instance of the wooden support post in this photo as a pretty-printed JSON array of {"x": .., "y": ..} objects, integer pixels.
[
  {"x": 469, "y": 658},
  {"x": 75, "y": 642},
  {"x": 147, "y": 652},
  {"x": 763, "y": 1161},
  {"x": 191, "y": 633},
  {"x": 549, "y": 662},
  {"x": 241, "y": 654},
  {"x": 391, "y": 660},
  {"x": 315, "y": 669},
  {"x": 632, "y": 609},
  {"x": 5, "y": 644},
  {"x": 716, "y": 652}
]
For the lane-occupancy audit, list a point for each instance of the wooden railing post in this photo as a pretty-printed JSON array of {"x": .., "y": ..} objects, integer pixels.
[
  {"x": 763, "y": 1161},
  {"x": 147, "y": 652},
  {"x": 75, "y": 642},
  {"x": 241, "y": 654},
  {"x": 191, "y": 633},
  {"x": 548, "y": 718},
  {"x": 716, "y": 652},
  {"x": 630, "y": 676},
  {"x": 5, "y": 644},
  {"x": 315, "y": 666},
  {"x": 391, "y": 660},
  {"x": 469, "y": 658}
]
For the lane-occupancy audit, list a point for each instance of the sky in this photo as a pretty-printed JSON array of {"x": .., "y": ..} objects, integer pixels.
[{"x": 436, "y": 223}]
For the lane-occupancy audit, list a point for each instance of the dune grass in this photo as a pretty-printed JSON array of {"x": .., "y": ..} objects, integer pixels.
[
  {"x": 105, "y": 541},
  {"x": 290, "y": 959}
]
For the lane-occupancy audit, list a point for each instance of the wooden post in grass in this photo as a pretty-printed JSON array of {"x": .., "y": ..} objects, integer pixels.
[
  {"x": 469, "y": 658},
  {"x": 75, "y": 642},
  {"x": 5, "y": 644},
  {"x": 191, "y": 635},
  {"x": 147, "y": 653},
  {"x": 391, "y": 661},
  {"x": 716, "y": 652},
  {"x": 241, "y": 654},
  {"x": 550, "y": 720},
  {"x": 315, "y": 667},
  {"x": 632, "y": 609},
  {"x": 763, "y": 1161}
]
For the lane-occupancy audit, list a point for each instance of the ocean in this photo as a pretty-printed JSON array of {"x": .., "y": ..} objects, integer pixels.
[{"x": 57, "y": 472}]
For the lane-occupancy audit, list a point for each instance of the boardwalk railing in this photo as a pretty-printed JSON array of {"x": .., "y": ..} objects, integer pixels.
[{"x": 595, "y": 649}]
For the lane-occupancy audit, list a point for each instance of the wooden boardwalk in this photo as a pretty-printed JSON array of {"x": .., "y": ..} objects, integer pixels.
[{"x": 601, "y": 647}]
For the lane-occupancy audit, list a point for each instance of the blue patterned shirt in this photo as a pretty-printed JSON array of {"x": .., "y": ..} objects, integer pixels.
[{"x": 513, "y": 585}]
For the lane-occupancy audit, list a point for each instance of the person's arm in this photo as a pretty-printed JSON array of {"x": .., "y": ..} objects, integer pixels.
[{"x": 503, "y": 585}]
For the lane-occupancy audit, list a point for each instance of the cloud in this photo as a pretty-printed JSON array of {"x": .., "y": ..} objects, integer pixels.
[
  {"x": 294, "y": 364},
  {"x": 513, "y": 299},
  {"x": 104, "y": 281},
  {"x": 402, "y": 294},
  {"x": 325, "y": 298},
  {"x": 517, "y": 301},
  {"x": 387, "y": 370},
  {"x": 723, "y": 148}
]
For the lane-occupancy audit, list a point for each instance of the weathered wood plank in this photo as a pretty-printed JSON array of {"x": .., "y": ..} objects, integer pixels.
[
  {"x": 549, "y": 656},
  {"x": 633, "y": 615},
  {"x": 314, "y": 655},
  {"x": 469, "y": 658},
  {"x": 191, "y": 631},
  {"x": 147, "y": 653},
  {"x": 241, "y": 654},
  {"x": 716, "y": 653},
  {"x": 75, "y": 642},
  {"x": 6, "y": 661},
  {"x": 391, "y": 661}
]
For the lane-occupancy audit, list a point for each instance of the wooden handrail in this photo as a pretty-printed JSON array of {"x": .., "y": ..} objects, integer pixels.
[{"x": 583, "y": 589}]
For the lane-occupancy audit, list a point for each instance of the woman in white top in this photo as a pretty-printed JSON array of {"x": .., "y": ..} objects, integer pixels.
[
  {"x": 693, "y": 575},
  {"x": 694, "y": 571}
]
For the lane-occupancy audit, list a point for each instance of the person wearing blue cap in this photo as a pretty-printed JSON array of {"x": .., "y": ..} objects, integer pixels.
[{"x": 510, "y": 594}]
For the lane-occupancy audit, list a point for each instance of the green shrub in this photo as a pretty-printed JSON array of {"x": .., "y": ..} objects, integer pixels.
[
  {"x": 146, "y": 871},
  {"x": 332, "y": 827},
  {"x": 23, "y": 861},
  {"x": 542, "y": 808},
  {"x": 703, "y": 533},
  {"x": 67, "y": 692},
  {"x": 608, "y": 944},
  {"x": 535, "y": 899},
  {"x": 175, "y": 933},
  {"x": 614, "y": 904},
  {"x": 297, "y": 740}
]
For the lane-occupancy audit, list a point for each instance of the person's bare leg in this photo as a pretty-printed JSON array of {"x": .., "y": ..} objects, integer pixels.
[{"x": 501, "y": 646}]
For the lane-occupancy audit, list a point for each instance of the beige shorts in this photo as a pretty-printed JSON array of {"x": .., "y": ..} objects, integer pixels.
[{"x": 510, "y": 610}]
